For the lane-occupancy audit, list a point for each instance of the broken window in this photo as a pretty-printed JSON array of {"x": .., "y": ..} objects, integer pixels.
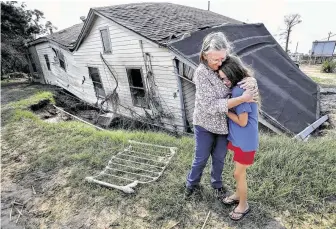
[
  {"x": 104, "y": 33},
  {"x": 47, "y": 61},
  {"x": 97, "y": 84},
  {"x": 61, "y": 60},
  {"x": 137, "y": 88}
]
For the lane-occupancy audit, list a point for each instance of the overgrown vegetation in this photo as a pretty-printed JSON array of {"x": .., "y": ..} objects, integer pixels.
[
  {"x": 290, "y": 179},
  {"x": 328, "y": 66},
  {"x": 18, "y": 26}
]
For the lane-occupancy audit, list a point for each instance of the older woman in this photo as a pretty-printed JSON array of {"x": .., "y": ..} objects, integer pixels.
[{"x": 211, "y": 105}]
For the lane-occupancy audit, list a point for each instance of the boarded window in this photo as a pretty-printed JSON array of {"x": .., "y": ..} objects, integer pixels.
[
  {"x": 47, "y": 61},
  {"x": 97, "y": 84},
  {"x": 104, "y": 33},
  {"x": 137, "y": 88},
  {"x": 185, "y": 70}
]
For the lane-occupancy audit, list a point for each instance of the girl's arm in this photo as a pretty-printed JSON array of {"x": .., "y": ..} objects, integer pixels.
[{"x": 241, "y": 119}]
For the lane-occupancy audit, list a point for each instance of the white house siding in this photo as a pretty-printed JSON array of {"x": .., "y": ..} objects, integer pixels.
[
  {"x": 126, "y": 52},
  {"x": 72, "y": 78}
]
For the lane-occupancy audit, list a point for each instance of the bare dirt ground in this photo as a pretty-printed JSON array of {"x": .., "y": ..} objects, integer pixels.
[
  {"x": 324, "y": 79},
  {"x": 18, "y": 90},
  {"x": 327, "y": 81}
]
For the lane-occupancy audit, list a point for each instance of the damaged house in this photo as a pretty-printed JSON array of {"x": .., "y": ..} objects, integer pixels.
[{"x": 137, "y": 60}]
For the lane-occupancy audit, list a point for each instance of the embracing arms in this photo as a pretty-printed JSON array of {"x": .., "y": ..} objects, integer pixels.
[{"x": 207, "y": 97}]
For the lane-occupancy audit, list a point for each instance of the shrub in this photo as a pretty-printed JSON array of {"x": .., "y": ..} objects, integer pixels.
[{"x": 329, "y": 66}]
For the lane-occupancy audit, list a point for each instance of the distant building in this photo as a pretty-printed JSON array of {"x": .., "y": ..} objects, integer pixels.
[{"x": 322, "y": 50}]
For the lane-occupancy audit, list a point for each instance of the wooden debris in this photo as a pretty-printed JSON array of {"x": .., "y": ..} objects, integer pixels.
[
  {"x": 18, "y": 211},
  {"x": 174, "y": 225},
  {"x": 67, "y": 113},
  {"x": 33, "y": 190},
  {"x": 11, "y": 211},
  {"x": 17, "y": 220},
  {"x": 206, "y": 220},
  {"x": 17, "y": 203},
  {"x": 20, "y": 214},
  {"x": 10, "y": 214}
]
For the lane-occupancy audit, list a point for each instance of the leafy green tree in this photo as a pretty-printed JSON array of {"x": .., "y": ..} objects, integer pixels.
[{"x": 18, "y": 26}]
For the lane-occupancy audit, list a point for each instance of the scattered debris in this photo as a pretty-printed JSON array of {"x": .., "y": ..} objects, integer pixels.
[
  {"x": 13, "y": 206},
  {"x": 174, "y": 225},
  {"x": 78, "y": 118},
  {"x": 33, "y": 190},
  {"x": 138, "y": 163},
  {"x": 206, "y": 219}
]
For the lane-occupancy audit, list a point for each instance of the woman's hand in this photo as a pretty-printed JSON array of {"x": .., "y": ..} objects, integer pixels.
[
  {"x": 247, "y": 96},
  {"x": 250, "y": 84}
]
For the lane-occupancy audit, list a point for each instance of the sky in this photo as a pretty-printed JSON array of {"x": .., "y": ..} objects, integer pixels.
[{"x": 318, "y": 16}]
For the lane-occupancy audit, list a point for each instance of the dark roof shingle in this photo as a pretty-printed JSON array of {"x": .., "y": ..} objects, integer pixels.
[
  {"x": 159, "y": 21},
  {"x": 68, "y": 36}
]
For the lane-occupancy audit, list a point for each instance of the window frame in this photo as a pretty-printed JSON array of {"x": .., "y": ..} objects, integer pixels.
[
  {"x": 95, "y": 82},
  {"x": 60, "y": 54},
  {"x": 108, "y": 37},
  {"x": 46, "y": 58},
  {"x": 137, "y": 88}
]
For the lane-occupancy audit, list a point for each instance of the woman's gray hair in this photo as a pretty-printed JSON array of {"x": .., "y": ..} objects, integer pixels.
[{"x": 215, "y": 41}]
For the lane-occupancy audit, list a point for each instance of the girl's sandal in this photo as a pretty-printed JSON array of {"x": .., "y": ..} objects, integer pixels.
[
  {"x": 241, "y": 214},
  {"x": 230, "y": 201}
]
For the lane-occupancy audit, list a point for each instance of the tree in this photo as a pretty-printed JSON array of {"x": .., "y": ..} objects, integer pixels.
[
  {"x": 290, "y": 20},
  {"x": 49, "y": 26},
  {"x": 18, "y": 26}
]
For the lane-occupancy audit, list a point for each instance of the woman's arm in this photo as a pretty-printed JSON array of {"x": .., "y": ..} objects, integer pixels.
[
  {"x": 207, "y": 99},
  {"x": 245, "y": 97},
  {"x": 240, "y": 119}
]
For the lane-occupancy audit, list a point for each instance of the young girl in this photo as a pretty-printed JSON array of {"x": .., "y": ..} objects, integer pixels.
[{"x": 243, "y": 134}]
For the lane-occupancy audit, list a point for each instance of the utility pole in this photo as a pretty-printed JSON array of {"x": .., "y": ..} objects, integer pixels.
[
  {"x": 329, "y": 34},
  {"x": 297, "y": 44},
  {"x": 208, "y": 5}
]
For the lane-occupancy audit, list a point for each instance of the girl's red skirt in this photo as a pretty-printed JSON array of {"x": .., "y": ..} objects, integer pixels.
[{"x": 245, "y": 158}]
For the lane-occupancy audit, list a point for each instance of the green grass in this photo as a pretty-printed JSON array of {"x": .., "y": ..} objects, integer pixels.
[
  {"x": 34, "y": 99},
  {"x": 288, "y": 175},
  {"x": 325, "y": 81}
]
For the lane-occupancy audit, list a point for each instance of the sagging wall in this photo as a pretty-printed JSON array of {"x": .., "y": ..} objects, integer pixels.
[
  {"x": 126, "y": 53},
  {"x": 71, "y": 78}
]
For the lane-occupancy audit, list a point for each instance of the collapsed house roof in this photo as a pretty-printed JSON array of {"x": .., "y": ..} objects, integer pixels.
[
  {"x": 289, "y": 98},
  {"x": 66, "y": 37}
]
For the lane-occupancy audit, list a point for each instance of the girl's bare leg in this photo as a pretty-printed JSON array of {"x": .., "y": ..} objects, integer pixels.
[{"x": 241, "y": 192}]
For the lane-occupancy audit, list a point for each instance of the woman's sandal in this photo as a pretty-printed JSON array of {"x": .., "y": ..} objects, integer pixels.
[
  {"x": 230, "y": 201},
  {"x": 242, "y": 214}
]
